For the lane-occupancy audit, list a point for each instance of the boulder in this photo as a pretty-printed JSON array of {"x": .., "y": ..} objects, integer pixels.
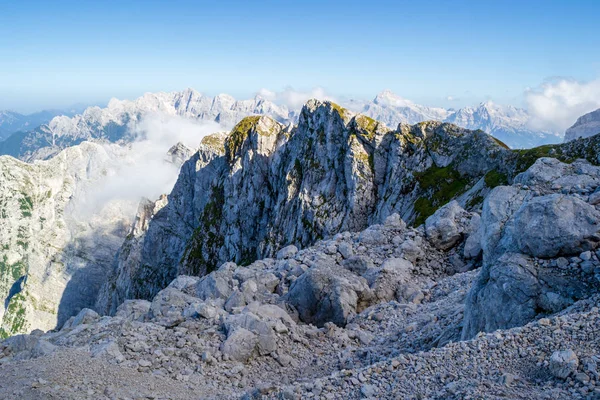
[
  {"x": 553, "y": 225},
  {"x": 563, "y": 363},
  {"x": 170, "y": 303},
  {"x": 385, "y": 280},
  {"x": 503, "y": 296},
  {"x": 287, "y": 252},
  {"x": 240, "y": 345},
  {"x": 217, "y": 284},
  {"x": 358, "y": 264},
  {"x": 85, "y": 316},
  {"x": 134, "y": 310},
  {"x": 328, "y": 293},
  {"x": 445, "y": 227},
  {"x": 410, "y": 250},
  {"x": 473, "y": 243},
  {"x": 184, "y": 281}
]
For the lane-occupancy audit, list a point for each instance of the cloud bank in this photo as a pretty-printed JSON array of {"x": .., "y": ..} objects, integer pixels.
[
  {"x": 557, "y": 104},
  {"x": 142, "y": 169},
  {"x": 294, "y": 99}
]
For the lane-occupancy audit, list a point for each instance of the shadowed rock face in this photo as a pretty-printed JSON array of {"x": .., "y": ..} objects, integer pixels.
[
  {"x": 54, "y": 258},
  {"x": 274, "y": 185}
]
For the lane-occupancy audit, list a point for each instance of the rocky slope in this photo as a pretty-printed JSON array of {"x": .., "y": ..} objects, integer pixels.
[
  {"x": 587, "y": 125},
  {"x": 118, "y": 121},
  {"x": 378, "y": 313}
]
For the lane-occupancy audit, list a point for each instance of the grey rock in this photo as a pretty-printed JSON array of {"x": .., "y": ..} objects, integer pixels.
[
  {"x": 287, "y": 252},
  {"x": 552, "y": 225},
  {"x": 328, "y": 294},
  {"x": 85, "y": 316},
  {"x": 443, "y": 228},
  {"x": 358, "y": 264},
  {"x": 240, "y": 345},
  {"x": 411, "y": 251},
  {"x": 345, "y": 250},
  {"x": 133, "y": 310},
  {"x": 563, "y": 363}
]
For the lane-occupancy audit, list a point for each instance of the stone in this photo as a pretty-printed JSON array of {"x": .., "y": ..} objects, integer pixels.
[
  {"x": 358, "y": 264},
  {"x": 368, "y": 391},
  {"x": 240, "y": 345},
  {"x": 411, "y": 251},
  {"x": 473, "y": 243},
  {"x": 287, "y": 252},
  {"x": 216, "y": 285},
  {"x": 443, "y": 228},
  {"x": 327, "y": 294},
  {"x": 345, "y": 250},
  {"x": 553, "y": 225},
  {"x": 372, "y": 236},
  {"x": 563, "y": 363},
  {"x": 562, "y": 262},
  {"x": 109, "y": 350},
  {"x": 594, "y": 198},
  {"x": 184, "y": 281},
  {"x": 170, "y": 303},
  {"x": 385, "y": 280},
  {"x": 42, "y": 348},
  {"x": 85, "y": 316},
  {"x": 134, "y": 310}
]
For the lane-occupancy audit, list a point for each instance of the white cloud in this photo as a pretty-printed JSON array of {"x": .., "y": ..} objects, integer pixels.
[
  {"x": 294, "y": 99},
  {"x": 142, "y": 169},
  {"x": 451, "y": 98},
  {"x": 557, "y": 104}
]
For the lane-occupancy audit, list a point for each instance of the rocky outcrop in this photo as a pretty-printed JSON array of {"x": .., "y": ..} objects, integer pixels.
[
  {"x": 538, "y": 238},
  {"x": 587, "y": 125},
  {"x": 277, "y": 185}
]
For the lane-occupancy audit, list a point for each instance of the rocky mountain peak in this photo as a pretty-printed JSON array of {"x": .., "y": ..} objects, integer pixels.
[{"x": 587, "y": 125}]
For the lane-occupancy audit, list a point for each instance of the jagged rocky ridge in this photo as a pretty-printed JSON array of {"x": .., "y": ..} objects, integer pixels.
[
  {"x": 266, "y": 185},
  {"x": 371, "y": 314},
  {"x": 273, "y": 185}
]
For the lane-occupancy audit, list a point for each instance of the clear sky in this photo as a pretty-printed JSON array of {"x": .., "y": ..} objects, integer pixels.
[{"x": 56, "y": 53}]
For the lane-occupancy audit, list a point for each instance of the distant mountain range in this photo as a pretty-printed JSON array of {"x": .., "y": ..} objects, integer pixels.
[
  {"x": 507, "y": 123},
  {"x": 11, "y": 122},
  {"x": 41, "y": 135}
]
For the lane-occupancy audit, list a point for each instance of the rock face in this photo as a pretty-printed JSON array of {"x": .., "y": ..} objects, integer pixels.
[
  {"x": 274, "y": 186},
  {"x": 54, "y": 258},
  {"x": 527, "y": 230},
  {"x": 587, "y": 125}
]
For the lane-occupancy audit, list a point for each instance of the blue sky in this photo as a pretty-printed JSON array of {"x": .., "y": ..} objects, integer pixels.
[{"x": 56, "y": 53}]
